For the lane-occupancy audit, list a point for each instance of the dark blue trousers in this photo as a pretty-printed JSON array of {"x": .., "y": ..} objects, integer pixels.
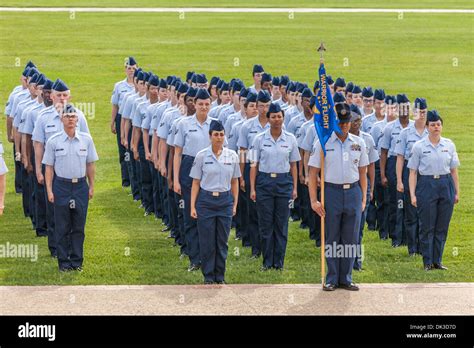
[
  {"x": 26, "y": 191},
  {"x": 121, "y": 150},
  {"x": 50, "y": 222},
  {"x": 132, "y": 170},
  {"x": 18, "y": 166},
  {"x": 252, "y": 222},
  {"x": 343, "y": 213},
  {"x": 38, "y": 202},
  {"x": 358, "y": 260},
  {"x": 242, "y": 206},
  {"x": 146, "y": 179},
  {"x": 179, "y": 204},
  {"x": 395, "y": 219},
  {"x": 190, "y": 225},
  {"x": 435, "y": 201},
  {"x": 71, "y": 201},
  {"x": 410, "y": 215},
  {"x": 213, "y": 225},
  {"x": 273, "y": 205},
  {"x": 164, "y": 191},
  {"x": 381, "y": 198}
]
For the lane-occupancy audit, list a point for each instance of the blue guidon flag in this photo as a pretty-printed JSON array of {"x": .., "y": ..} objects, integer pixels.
[{"x": 325, "y": 119}]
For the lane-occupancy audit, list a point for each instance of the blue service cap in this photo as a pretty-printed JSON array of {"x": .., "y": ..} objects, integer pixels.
[
  {"x": 182, "y": 89},
  {"x": 140, "y": 75},
  {"x": 25, "y": 72},
  {"x": 251, "y": 97},
  {"x": 339, "y": 97},
  {"x": 146, "y": 76},
  {"x": 60, "y": 86},
  {"x": 316, "y": 84},
  {"x": 191, "y": 92},
  {"x": 276, "y": 81},
  {"x": 163, "y": 84},
  {"x": 202, "y": 93},
  {"x": 224, "y": 86},
  {"x": 263, "y": 96},
  {"x": 356, "y": 114},
  {"x": 266, "y": 77},
  {"x": 135, "y": 73},
  {"x": 343, "y": 112},
  {"x": 433, "y": 116},
  {"x": 34, "y": 78},
  {"x": 367, "y": 92},
  {"x": 30, "y": 64},
  {"x": 238, "y": 86},
  {"x": 129, "y": 61},
  {"x": 257, "y": 68},
  {"x": 306, "y": 93},
  {"x": 349, "y": 87},
  {"x": 41, "y": 80},
  {"x": 329, "y": 80},
  {"x": 201, "y": 78},
  {"x": 68, "y": 109},
  {"x": 356, "y": 90},
  {"x": 48, "y": 85},
  {"x": 390, "y": 100},
  {"x": 340, "y": 82},
  {"x": 402, "y": 98},
  {"x": 216, "y": 126},
  {"x": 291, "y": 87},
  {"x": 219, "y": 84},
  {"x": 243, "y": 92},
  {"x": 31, "y": 72},
  {"x": 420, "y": 103},
  {"x": 214, "y": 80},
  {"x": 194, "y": 78},
  {"x": 273, "y": 108},
  {"x": 300, "y": 88},
  {"x": 312, "y": 101},
  {"x": 154, "y": 80},
  {"x": 189, "y": 75},
  {"x": 379, "y": 94},
  {"x": 284, "y": 80}
]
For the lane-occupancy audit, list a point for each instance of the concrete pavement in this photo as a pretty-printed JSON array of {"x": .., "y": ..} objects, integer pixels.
[{"x": 238, "y": 299}]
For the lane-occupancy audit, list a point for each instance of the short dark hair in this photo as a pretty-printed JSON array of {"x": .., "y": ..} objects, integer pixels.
[
  {"x": 282, "y": 112},
  {"x": 440, "y": 119}
]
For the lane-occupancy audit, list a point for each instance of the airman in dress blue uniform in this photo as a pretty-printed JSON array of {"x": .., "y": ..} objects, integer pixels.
[
  {"x": 214, "y": 199},
  {"x": 69, "y": 157},
  {"x": 273, "y": 180},
  {"x": 345, "y": 167},
  {"x": 434, "y": 189}
]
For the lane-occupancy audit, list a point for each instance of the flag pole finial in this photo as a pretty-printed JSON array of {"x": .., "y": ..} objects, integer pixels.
[{"x": 321, "y": 50}]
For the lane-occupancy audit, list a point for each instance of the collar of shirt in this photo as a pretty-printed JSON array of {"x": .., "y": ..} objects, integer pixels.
[
  {"x": 65, "y": 136},
  {"x": 196, "y": 122},
  {"x": 268, "y": 136},
  {"x": 442, "y": 142},
  {"x": 334, "y": 138}
]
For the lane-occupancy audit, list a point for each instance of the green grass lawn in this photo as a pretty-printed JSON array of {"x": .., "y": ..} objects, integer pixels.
[
  {"x": 451, "y": 4},
  {"x": 413, "y": 55}
]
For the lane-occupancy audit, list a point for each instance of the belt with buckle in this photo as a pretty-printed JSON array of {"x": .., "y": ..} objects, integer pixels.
[
  {"x": 342, "y": 186},
  {"x": 215, "y": 193},
  {"x": 274, "y": 175},
  {"x": 71, "y": 181},
  {"x": 437, "y": 176}
]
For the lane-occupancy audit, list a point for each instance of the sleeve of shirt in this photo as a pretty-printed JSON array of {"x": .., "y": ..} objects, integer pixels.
[
  {"x": 375, "y": 135},
  {"x": 254, "y": 151},
  {"x": 146, "y": 122},
  {"x": 179, "y": 134},
  {"x": 48, "y": 156},
  {"x": 243, "y": 142},
  {"x": 91, "y": 152},
  {"x": 9, "y": 105},
  {"x": 126, "y": 109},
  {"x": 38, "y": 133},
  {"x": 28, "y": 124},
  {"x": 137, "y": 118},
  {"x": 315, "y": 157},
  {"x": 115, "y": 95},
  {"x": 414, "y": 161},
  {"x": 237, "y": 173},
  {"x": 295, "y": 153},
  {"x": 83, "y": 126},
  {"x": 227, "y": 125},
  {"x": 373, "y": 154},
  {"x": 386, "y": 136},
  {"x": 164, "y": 127},
  {"x": 364, "y": 159},
  {"x": 196, "y": 169},
  {"x": 455, "y": 159},
  {"x": 401, "y": 144}
]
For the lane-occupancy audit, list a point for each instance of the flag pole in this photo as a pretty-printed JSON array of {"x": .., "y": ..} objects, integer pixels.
[{"x": 321, "y": 50}]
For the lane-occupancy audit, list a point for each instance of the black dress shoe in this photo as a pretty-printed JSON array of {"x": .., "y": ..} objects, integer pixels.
[
  {"x": 65, "y": 269},
  {"x": 254, "y": 256},
  {"x": 350, "y": 287},
  {"x": 208, "y": 282},
  {"x": 166, "y": 229},
  {"x": 221, "y": 282},
  {"x": 439, "y": 266},
  {"x": 78, "y": 269},
  {"x": 329, "y": 287},
  {"x": 193, "y": 268},
  {"x": 428, "y": 267},
  {"x": 264, "y": 268},
  {"x": 396, "y": 245}
]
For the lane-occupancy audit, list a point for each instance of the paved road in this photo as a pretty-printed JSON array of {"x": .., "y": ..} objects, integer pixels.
[{"x": 304, "y": 299}]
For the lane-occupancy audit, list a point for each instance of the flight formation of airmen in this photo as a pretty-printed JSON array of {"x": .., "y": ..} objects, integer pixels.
[{"x": 204, "y": 156}]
